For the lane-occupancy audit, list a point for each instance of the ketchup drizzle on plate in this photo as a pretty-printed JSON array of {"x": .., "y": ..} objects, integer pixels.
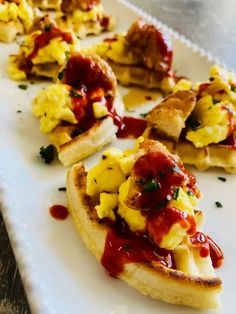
[
  {"x": 123, "y": 246},
  {"x": 58, "y": 212}
]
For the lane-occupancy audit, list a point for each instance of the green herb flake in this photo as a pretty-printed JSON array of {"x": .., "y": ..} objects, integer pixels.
[
  {"x": 61, "y": 74},
  {"x": 126, "y": 247},
  {"x": 48, "y": 27},
  {"x": 23, "y": 86},
  {"x": 176, "y": 194},
  {"x": 47, "y": 153},
  {"x": 218, "y": 204},
  {"x": 151, "y": 185},
  {"x": 62, "y": 189},
  {"x": 190, "y": 193},
  {"x": 211, "y": 79},
  {"x": 193, "y": 123},
  {"x": 233, "y": 88},
  {"x": 222, "y": 179},
  {"x": 19, "y": 111},
  {"x": 215, "y": 101},
  {"x": 74, "y": 93},
  {"x": 143, "y": 115}
]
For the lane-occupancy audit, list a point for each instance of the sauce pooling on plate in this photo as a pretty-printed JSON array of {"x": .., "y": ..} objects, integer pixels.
[{"x": 58, "y": 212}]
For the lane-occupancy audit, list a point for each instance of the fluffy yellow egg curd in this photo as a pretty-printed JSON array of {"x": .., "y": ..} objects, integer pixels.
[
  {"x": 86, "y": 20},
  {"x": 213, "y": 118},
  {"x": 42, "y": 53},
  {"x": 16, "y": 17}
]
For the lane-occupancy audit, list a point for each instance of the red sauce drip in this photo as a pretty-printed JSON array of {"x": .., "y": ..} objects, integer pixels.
[
  {"x": 230, "y": 142},
  {"x": 165, "y": 48},
  {"x": 208, "y": 246},
  {"x": 232, "y": 126},
  {"x": 105, "y": 22},
  {"x": 202, "y": 89},
  {"x": 110, "y": 40},
  {"x": 166, "y": 172},
  {"x": 131, "y": 127},
  {"x": 200, "y": 240},
  {"x": 83, "y": 71},
  {"x": 160, "y": 222},
  {"x": 58, "y": 212},
  {"x": 122, "y": 246},
  {"x": 148, "y": 97},
  {"x": 216, "y": 254},
  {"x": 41, "y": 41}
]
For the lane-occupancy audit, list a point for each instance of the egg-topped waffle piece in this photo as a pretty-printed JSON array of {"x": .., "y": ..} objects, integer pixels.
[
  {"x": 81, "y": 112},
  {"x": 142, "y": 56},
  {"x": 199, "y": 125},
  {"x": 16, "y": 18},
  {"x": 137, "y": 212},
  {"x": 42, "y": 52},
  {"x": 84, "y": 17}
]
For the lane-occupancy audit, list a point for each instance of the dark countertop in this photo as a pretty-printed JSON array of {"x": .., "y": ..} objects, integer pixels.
[{"x": 211, "y": 25}]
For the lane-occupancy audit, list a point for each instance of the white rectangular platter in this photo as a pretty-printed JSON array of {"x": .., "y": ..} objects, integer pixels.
[{"x": 59, "y": 273}]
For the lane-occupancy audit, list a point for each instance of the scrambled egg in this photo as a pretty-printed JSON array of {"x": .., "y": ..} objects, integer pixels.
[
  {"x": 109, "y": 179},
  {"x": 214, "y": 114},
  {"x": 22, "y": 12},
  {"x": 54, "y": 52},
  {"x": 53, "y": 105},
  {"x": 97, "y": 12}
]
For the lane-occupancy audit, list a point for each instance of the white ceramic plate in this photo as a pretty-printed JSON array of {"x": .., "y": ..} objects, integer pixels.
[{"x": 59, "y": 273}]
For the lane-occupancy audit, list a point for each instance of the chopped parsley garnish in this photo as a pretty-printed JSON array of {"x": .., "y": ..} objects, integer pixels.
[
  {"x": 74, "y": 93},
  {"x": 190, "y": 193},
  {"x": 48, "y": 27},
  {"x": 218, "y": 204},
  {"x": 162, "y": 174},
  {"x": 233, "y": 88},
  {"x": 211, "y": 79},
  {"x": 215, "y": 101},
  {"x": 151, "y": 185},
  {"x": 19, "y": 111},
  {"x": 47, "y": 153},
  {"x": 61, "y": 74},
  {"x": 222, "y": 179},
  {"x": 62, "y": 189},
  {"x": 126, "y": 247},
  {"x": 143, "y": 115},
  {"x": 23, "y": 86},
  {"x": 193, "y": 123},
  {"x": 176, "y": 194}
]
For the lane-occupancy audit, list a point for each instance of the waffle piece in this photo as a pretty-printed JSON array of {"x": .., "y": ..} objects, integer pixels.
[
  {"x": 16, "y": 18},
  {"x": 177, "y": 285},
  {"x": 84, "y": 18},
  {"x": 142, "y": 56},
  {"x": 79, "y": 111},
  {"x": 43, "y": 52},
  {"x": 170, "y": 122}
]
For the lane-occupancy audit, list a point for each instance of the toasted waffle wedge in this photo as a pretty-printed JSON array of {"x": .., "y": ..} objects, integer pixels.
[
  {"x": 16, "y": 18},
  {"x": 47, "y": 4},
  {"x": 84, "y": 18},
  {"x": 189, "y": 281},
  {"x": 142, "y": 56},
  {"x": 43, "y": 52},
  {"x": 199, "y": 126},
  {"x": 79, "y": 111}
]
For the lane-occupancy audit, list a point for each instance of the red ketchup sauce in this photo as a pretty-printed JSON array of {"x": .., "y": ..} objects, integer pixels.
[
  {"x": 208, "y": 246},
  {"x": 131, "y": 127},
  {"x": 122, "y": 246},
  {"x": 91, "y": 84},
  {"x": 41, "y": 41},
  {"x": 58, "y": 212}
]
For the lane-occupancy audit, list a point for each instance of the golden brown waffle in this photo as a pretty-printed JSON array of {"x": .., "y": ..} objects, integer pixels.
[
  {"x": 154, "y": 280},
  {"x": 81, "y": 146},
  {"x": 212, "y": 155}
]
